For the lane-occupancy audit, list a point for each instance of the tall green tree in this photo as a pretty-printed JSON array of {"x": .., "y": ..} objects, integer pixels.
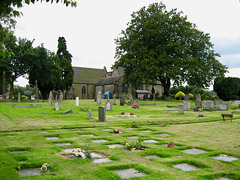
[
  {"x": 45, "y": 69},
  {"x": 161, "y": 45},
  {"x": 17, "y": 64},
  {"x": 227, "y": 88},
  {"x": 8, "y": 11},
  {"x": 65, "y": 63}
]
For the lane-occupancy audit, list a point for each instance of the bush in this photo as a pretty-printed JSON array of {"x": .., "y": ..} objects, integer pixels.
[
  {"x": 191, "y": 96},
  {"x": 180, "y": 95}
]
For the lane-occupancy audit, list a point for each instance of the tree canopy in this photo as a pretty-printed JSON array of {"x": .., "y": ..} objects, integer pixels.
[
  {"x": 161, "y": 45},
  {"x": 227, "y": 88}
]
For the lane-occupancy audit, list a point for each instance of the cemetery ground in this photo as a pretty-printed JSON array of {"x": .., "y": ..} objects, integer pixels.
[{"x": 32, "y": 136}]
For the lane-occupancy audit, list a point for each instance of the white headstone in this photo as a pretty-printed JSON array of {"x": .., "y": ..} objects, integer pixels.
[
  {"x": 223, "y": 107},
  {"x": 108, "y": 106},
  {"x": 186, "y": 105},
  {"x": 236, "y": 103},
  {"x": 180, "y": 109},
  {"x": 208, "y": 105},
  {"x": 50, "y": 99},
  {"x": 77, "y": 101},
  {"x": 90, "y": 113},
  {"x": 57, "y": 106},
  {"x": 99, "y": 98}
]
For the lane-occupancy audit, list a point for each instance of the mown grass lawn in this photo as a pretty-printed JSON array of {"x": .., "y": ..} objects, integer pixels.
[{"x": 21, "y": 127}]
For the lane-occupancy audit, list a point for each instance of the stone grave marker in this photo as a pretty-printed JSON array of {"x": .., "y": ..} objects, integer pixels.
[
  {"x": 186, "y": 105},
  {"x": 198, "y": 103},
  {"x": 19, "y": 96},
  {"x": 217, "y": 101},
  {"x": 103, "y": 160},
  {"x": 186, "y": 167},
  {"x": 108, "y": 106},
  {"x": 237, "y": 103},
  {"x": 89, "y": 113},
  {"x": 208, "y": 105},
  {"x": 187, "y": 98},
  {"x": 180, "y": 109},
  {"x": 57, "y": 106},
  {"x": 130, "y": 102},
  {"x": 101, "y": 114},
  {"x": 223, "y": 107},
  {"x": 122, "y": 101},
  {"x": 229, "y": 103},
  {"x": 114, "y": 146},
  {"x": 99, "y": 98},
  {"x": 30, "y": 172},
  {"x": 114, "y": 99},
  {"x": 61, "y": 97},
  {"x": 150, "y": 141},
  {"x": 137, "y": 102},
  {"x": 198, "y": 97},
  {"x": 50, "y": 101},
  {"x": 77, "y": 101},
  {"x": 194, "y": 151},
  {"x": 151, "y": 157},
  {"x": 129, "y": 173},
  {"x": 168, "y": 98},
  {"x": 226, "y": 158}
]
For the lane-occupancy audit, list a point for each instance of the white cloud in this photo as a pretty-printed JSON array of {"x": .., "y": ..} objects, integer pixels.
[{"x": 231, "y": 60}]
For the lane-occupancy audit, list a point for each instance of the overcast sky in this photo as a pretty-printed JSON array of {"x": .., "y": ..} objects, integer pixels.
[{"x": 91, "y": 27}]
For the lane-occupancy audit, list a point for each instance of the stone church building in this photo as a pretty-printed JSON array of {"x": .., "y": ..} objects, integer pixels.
[{"x": 88, "y": 81}]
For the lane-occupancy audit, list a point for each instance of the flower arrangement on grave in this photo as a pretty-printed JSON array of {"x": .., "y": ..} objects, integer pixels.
[
  {"x": 45, "y": 167},
  {"x": 116, "y": 131},
  {"x": 132, "y": 113},
  {"x": 79, "y": 153},
  {"x": 122, "y": 113},
  {"x": 196, "y": 108},
  {"x": 171, "y": 144},
  {"x": 135, "y": 106},
  {"x": 133, "y": 144}
]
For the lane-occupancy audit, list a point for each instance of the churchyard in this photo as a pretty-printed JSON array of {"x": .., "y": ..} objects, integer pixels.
[{"x": 34, "y": 133}]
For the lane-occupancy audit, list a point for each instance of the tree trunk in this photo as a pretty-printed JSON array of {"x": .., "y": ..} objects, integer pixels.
[
  {"x": 4, "y": 85},
  {"x": 166, "y": 86},
  {"x": 11, "y": 89}
]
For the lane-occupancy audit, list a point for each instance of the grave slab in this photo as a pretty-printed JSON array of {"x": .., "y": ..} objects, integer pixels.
[
  {"x": 185, "y": 167},
  {"x": 100, "y": 141},
  {"x": 62, "y": 144},
  {"x": 43, "y": 132},
  {"x": 150, "y": 141},
  {"x": 69, "y": 150},
  {"x": 30, "y": 172},
  {"x": 129, "y": 151},
  {"x": 95, "y": 155},
  {"x": 51, "y": 138},
  {"x": 132, "y": 137},
  {"x": 18, "y": 152},
  {"x": 164, "y": 135},
  {"x": 166, "y": 145},
  {"x": 129, "y": 173},
  {"x": 146, "y": 131},
  {"x": 87, "y": 135},
  {"x": 106, "y": 129},
  {"x": 151, "y": 157},
  {"x": 194, "y": 151},
  {"x": 222, "y": 178},
  {"x": 114, "y": 146},
  {"x": 104, "y": 160},
  {"x": 224, "y": 157}
]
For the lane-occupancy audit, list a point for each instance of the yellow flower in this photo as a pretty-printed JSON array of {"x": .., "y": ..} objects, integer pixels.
[
  {"x": 132, "y": 149},
  {"x": 127, "y": 144}
]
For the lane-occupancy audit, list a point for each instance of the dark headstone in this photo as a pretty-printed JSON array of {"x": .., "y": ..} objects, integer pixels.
[
  {"x": 101, "y": 114},
  {"x": 122, "y": 101}
]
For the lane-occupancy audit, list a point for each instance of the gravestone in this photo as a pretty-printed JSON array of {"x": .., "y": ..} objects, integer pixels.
[
  {"x": 61, "y": 97},
  {"x": 229, "y": 103},
  {"x": 186, "y": 105},
  {"x": 180, "y": 109},
  {"x": 198, "y": 103},
  {"x": 89, "y": 113},
  {"x": 198, "y": 97},
  {"x": 101, "y": 114},
  {"x": 50, "y": 99},
  {"x": 130, "y": 99},
  {"x": 77, "y": 101},
  {"x": 57, "y": 106},
  {"x": 237, "y": 103},
  {"x": 187, "y": 98},
  {"x": 208, "y": 105},
  {"x": 137, "y": 102},
  {"x": 108, "y": 106},
  {"x": 168, "y": 98},
  {"x": 99, "y": 98},
  {"x": 217, "y": 101},
  {"x": 38, "y": 105},
  {"x": 114, "y": 99},
  {"x": 223, "y": 107},
  {"x": 122, "y": 101},
  {"x": 19, "y": 96}
]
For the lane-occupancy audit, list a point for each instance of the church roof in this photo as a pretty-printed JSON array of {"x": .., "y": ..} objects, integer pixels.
[
  {"x": 87, "y": 75},
  {"x": 109, "y": 80}
]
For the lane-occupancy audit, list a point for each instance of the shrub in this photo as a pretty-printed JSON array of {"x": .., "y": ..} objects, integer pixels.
[
  {"x": 191, "y": 96},
  {"x": 180, "y": 95}
]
